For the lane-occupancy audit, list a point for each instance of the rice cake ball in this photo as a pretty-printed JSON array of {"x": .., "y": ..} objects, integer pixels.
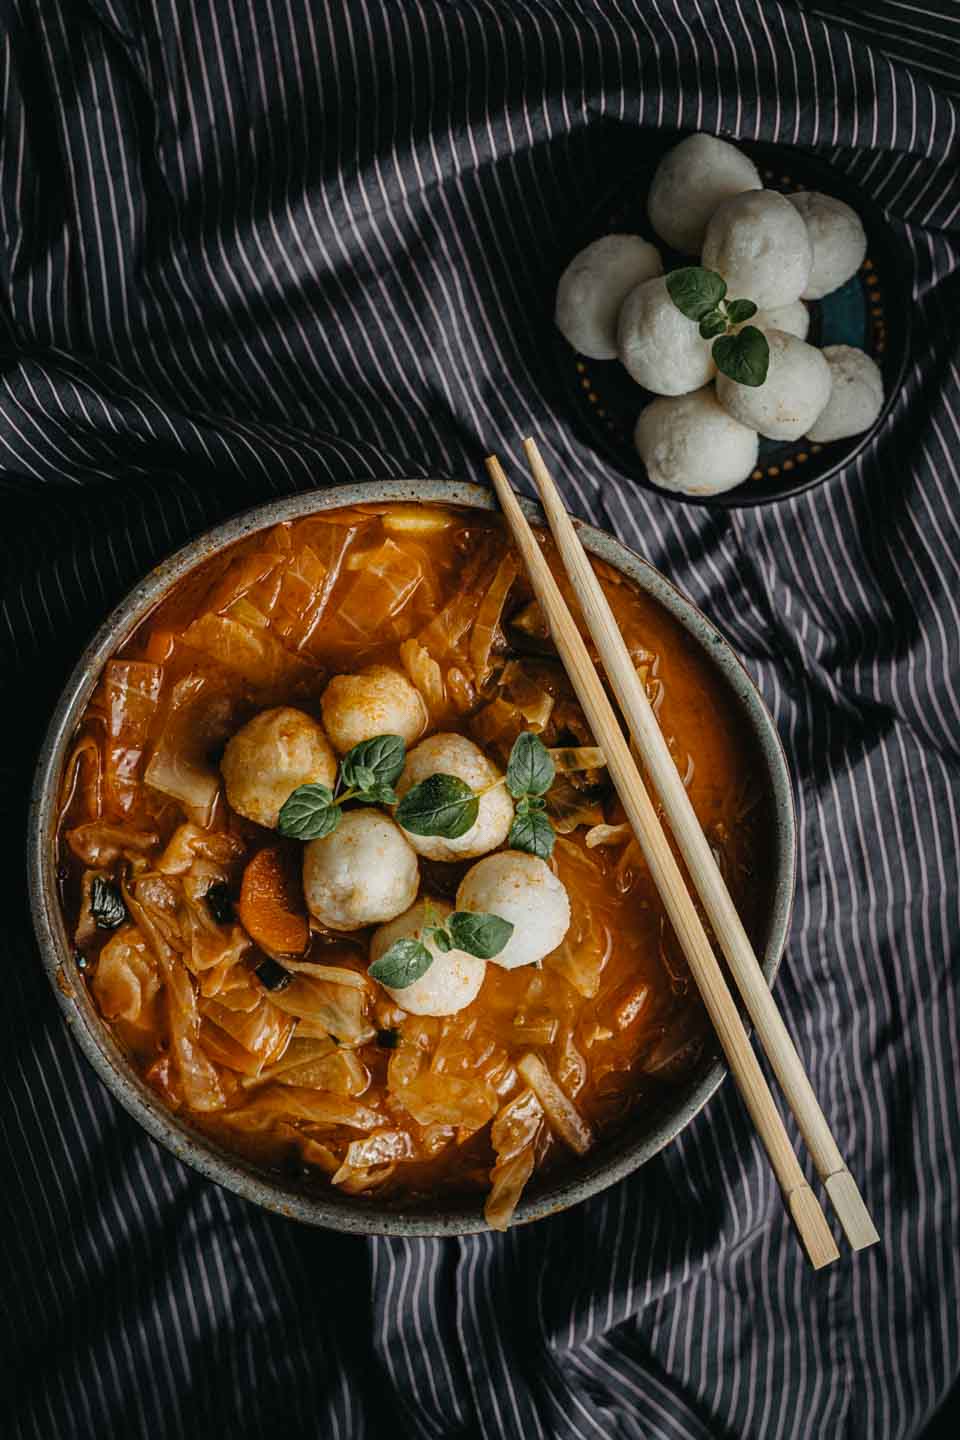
[
  {"x": 690, "y": 445},
  {"x": 837, "y": 239},
  {"x": 376, "y": 701},
  {"x": 661, "y": 349},
  {"x": 594, "y": 286},
  {"x": 690, "y": 182},
  {"x": 794, "y": 393},
  {"x": 759, "y": 243},
  {"x": 793, "y": 319},
  {"x": 270, "y": 757},
  {"x": 453, "y": 980},
  {"x": 523, "y": 889},
  {"x": 363, "y": 873},
  {"x": 449, "y": 754},
  {"x": 856, "y": 398}
]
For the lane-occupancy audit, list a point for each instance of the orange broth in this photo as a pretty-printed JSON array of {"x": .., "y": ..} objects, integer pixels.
[{"x": 612, "y": 1014}]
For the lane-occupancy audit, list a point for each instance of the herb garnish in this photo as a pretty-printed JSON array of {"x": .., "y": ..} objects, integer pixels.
[
  {"x": 440, "y": 805},
  {"x": 531, "y": 830},
  {"x": 106, "y": 904},
  {"x": 474, "y": 932},
  {"x": 530, "y": 773},
  {"x": 310, "y": 813},
  {"x": 367, "y": 773},
  {"x": 530, "y": 769},
  {"x": 372, "y": 768},
  {"x": 446, "y": 806},
  {"x": 700, "y": 294}
]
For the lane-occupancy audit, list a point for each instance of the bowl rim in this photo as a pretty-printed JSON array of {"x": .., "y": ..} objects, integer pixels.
[{"x": 95, "y": 1039}]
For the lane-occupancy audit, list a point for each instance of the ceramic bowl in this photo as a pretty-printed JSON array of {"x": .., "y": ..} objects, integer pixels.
[
  {"x": 612, "y": 1159},
  {"x": 871, "y": 312}
]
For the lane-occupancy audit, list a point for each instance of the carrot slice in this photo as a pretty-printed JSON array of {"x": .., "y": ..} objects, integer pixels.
[{"x": 271, "y": 904}]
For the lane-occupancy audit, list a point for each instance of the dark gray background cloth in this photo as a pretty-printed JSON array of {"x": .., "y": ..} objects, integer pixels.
[{"x": 248, "y": 247}]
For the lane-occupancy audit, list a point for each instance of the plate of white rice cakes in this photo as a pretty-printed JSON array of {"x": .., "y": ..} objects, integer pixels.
[{"x": 733, "y": 324}]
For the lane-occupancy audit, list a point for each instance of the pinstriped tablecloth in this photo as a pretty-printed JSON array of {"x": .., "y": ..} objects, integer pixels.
[{"x": 253, "y": 246}]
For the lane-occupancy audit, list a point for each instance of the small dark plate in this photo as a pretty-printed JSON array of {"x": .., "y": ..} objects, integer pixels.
[{"x": 872, "y": 312}]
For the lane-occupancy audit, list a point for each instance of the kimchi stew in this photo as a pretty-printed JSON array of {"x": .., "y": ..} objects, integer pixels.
[{"x": 346, "y": 877}]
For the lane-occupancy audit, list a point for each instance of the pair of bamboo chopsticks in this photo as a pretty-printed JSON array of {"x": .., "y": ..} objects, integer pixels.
[{"x": 840, "y": 1186}]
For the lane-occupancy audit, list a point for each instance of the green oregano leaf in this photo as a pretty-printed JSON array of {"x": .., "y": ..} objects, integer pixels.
[
  {"x": 744, "y": 357},
  {"x": 696, "y": 291},
  {"x": 479, "y": 933},
  {"x": 402, "y": 964},
  {"x": 740, "y": 310},
  {"x": 378, "y": 795},
  {"x": 439, "y": 937},
  {"x": 378, "y": 761},
  {"x": 712, "y": 325},
  {"x": 309, "y": 813},
  {"x": 440, "y": 805},
  {"x": 532, "y": 831},
  {"x": 106, "y": 904},
  {"x": 530, "y": 770}
]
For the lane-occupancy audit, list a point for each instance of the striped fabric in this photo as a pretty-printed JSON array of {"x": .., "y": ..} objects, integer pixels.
[{"x": 248, "y": 247}]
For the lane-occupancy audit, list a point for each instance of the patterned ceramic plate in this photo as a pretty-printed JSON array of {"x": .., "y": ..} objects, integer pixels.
[{"x": 872, "y": 312}]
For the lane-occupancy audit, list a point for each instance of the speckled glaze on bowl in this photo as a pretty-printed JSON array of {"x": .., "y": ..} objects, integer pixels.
[{"x": 612, "y": 1159}]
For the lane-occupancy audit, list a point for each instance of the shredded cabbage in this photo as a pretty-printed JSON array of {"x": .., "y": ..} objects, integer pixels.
[
  {"x": 188, "y": 842},
  {"x": 201, "y": 1085},
  {"x": 301, "y": 1103},
  {"x": 244, "y": 574},
  {"x": 424, "y": 672},
  {"x": 385, "y": 585},
  {"x": 564, "y": 1118},
  {"x": 199, "y": 717},
  {"x": 534, "y": 703},
  {"x": 607, "y": 835},
  {"x": 126, "y": 978},
  {"x": 324, "y": 1008},
  {"x": 84, "y": 767},
  {"x": 448, "y": 1100},
  {"x": 249, "y": 650},
  {"x": 131, "y": 690},
  {"x": 514, "y": 1136},
  {"x": 487, "y": 623},
  {"x": 263, "y": 1032},
  {"x": 99, "y": 843}
]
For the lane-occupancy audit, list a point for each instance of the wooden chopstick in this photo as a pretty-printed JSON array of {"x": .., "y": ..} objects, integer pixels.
[
  {"x": 803, "y": 1205},
  {"x": 702, "y": 867}
]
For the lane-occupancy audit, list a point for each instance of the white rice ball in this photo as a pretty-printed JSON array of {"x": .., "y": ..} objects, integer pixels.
[
  {"x": 837, "y": 239},
  {"x": 856, "y": 398},
  {"x": 690, "y": 445},
  {"x": 453, "y": 980},
  {"x": 270, "y": 757},
  {"x": 595, "y": 285},
  {"x": 792, "y": 319},
  {"x": 376, "y": 701},
  {"x": 449, "y": 754},
  {"x": 758, "y": 242},
  {"x": 690, "y": 182},
  {"x": 794, "y": 393},
  {"x": 661, "y": 349},
  {"x": 362, "y": 874},
  {"x": 523, "y": 889}
]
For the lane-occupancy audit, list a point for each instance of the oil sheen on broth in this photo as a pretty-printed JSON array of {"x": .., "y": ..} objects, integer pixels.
[{"x": 258, "y": 1022}]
